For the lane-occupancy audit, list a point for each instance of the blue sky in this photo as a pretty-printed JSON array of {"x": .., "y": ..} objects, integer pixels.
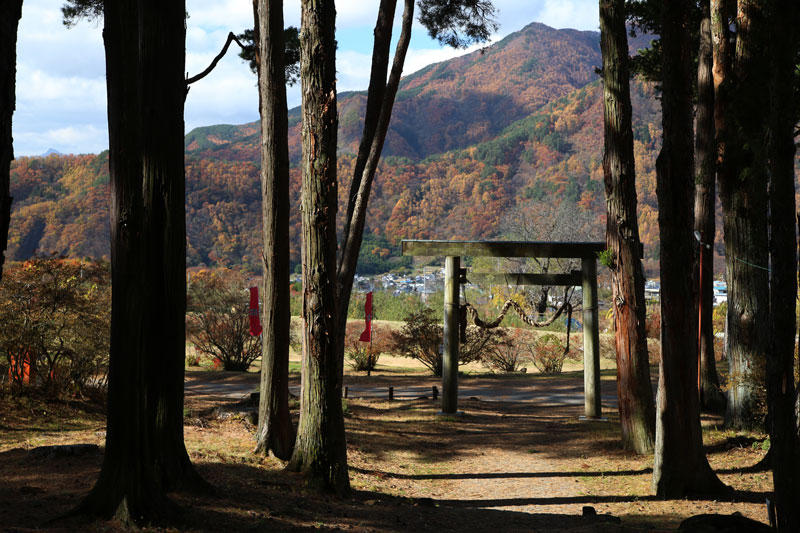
[{"x": 61, "y": 98}]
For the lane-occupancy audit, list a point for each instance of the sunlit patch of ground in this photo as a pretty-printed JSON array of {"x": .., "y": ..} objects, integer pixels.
[{"x": 496, "y": 466}]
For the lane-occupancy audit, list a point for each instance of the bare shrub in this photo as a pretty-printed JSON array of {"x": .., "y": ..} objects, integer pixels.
[
  {"x": 55, "y": 316},
  {"x": 508, "y": 354},
  {"x": 608, "y": 347},
  {"x": 421, "y": 336},
  {"x": 363, "y": 355},
  {"x": 218, "y": 319},
  {"x": 547, "y": 354},
  {"x": 652, "y": 325}
]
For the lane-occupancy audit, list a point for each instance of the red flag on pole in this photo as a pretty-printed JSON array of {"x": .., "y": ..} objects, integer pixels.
[
  {"x": 366, "y": 335},
  {"x": 255, "y": 319}
]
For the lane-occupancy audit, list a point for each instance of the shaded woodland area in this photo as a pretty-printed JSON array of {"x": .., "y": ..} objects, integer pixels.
[{"x": 726, "y": 73}]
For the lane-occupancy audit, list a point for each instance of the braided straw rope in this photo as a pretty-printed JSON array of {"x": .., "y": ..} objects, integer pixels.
[
  {"x": 521, "y": 312},
  {"x": 525, "y": 318}
]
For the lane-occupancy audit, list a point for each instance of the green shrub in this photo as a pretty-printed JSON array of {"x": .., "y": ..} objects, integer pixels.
[{"x": 362, "y": 357}]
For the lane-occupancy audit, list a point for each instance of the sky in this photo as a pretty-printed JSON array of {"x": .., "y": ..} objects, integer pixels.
[{"x": 61, "y": 93}]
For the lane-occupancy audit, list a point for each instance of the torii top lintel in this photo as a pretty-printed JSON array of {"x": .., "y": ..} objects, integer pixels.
[{"x": 502, "y": 248}]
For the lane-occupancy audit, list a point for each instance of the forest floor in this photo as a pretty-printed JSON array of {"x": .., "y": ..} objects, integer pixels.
[{"x": 498, "y": 466}]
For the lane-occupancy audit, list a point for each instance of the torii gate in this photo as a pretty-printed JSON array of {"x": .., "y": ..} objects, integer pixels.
[{"x": 586, "y": 277}]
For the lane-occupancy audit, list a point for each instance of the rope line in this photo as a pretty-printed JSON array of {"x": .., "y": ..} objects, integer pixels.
[
  {"x": 752, "y": 264},
  {"x": 509, "y": 304}
]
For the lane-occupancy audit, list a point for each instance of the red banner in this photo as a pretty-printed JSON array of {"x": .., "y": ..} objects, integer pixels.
[
  {"x": 366, "y": 335},
  {"x": 255, "y": 319}
]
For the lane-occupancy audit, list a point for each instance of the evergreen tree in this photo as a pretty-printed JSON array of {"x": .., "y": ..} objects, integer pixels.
[
  {"x": 10, "y": 13},
  {"x": 680, "y": 466},
  {"x": 320, "y": 450},
  {"x": 742, "y": 176},
  {"x": 145, "y": 454},
  {"x": 704, "y": 213},
  {"x": 275, "y": 430},
  {"x": 636, "y": 406},
  {"x": 784, "y": 49}
]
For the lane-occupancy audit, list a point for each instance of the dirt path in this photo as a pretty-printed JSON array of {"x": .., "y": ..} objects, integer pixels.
[
  {"x": 561, "y": 390},
  {"x": 528, "y": 465},
  {"x": 522, "y": 458},
  {"x": 530, "y": 458}
]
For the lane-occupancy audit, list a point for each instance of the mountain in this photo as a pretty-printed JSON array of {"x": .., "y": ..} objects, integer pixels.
[
  {"x": 514, "y": 128},
  {"x": 51, "y": 151},
  {"x": 449, "y": 105}
]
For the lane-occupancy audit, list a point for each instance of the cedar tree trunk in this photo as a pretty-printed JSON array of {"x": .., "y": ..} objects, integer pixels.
[
  {"x": 711, "y": 397},
  {"x": 680, "y": 466},
  {"x": 320, "y": 450},
  {"x": 742, "y": 176},
  {"x": 636, "y": 406},
  {"x": 781, "y": 421},
  {"x": 145, "y": 454},
  {"x": 275, "y": 430},
  {"x": 10, "y": 13}
]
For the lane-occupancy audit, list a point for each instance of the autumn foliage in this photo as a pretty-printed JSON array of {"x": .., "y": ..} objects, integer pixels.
[
  {"x": 471, "y": 140},
  {"x": 55, "y": 316}
]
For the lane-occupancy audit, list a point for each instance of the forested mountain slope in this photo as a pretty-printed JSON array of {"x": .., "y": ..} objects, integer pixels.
[{"x": 513, "y": 130}]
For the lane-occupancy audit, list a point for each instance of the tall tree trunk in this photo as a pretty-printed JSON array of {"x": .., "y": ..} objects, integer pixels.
[
  {"x": 10, "y": 13},
  {"x": 145, "y": 453},
  {"x": 275, "y": 430},
  {"x": 704, "y": 212},
  {"x": 781, "y": 421},
  {"x": 320, "y": 450},
  {"x": 380, "y": 102},
  {"x": 743, "y": 192},
  {"x": 636, "y": 408},
  {"x": 680, "y": 466}
]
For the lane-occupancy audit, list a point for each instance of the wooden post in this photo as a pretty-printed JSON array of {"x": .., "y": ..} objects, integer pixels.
[
  {"x": 450, "y": 353},
  {"x": 591, "y": 339}
]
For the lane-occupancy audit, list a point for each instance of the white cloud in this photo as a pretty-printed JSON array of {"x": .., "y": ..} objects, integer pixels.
[
  {"x": 352, "y": 70},
  {"x": 76, "y": 139},
  {"x": 61, "y": 72},
  {"x": 578, "y": 14},
  {"x": 419, "y": 58}
]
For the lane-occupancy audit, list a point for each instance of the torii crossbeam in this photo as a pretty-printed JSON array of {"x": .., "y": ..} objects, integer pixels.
[{"x": 586, "y": 277}]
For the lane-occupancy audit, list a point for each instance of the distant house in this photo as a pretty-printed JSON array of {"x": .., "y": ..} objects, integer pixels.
[
  {"x": 652, "y": 289},
  {"x": 720, "y": 292}
]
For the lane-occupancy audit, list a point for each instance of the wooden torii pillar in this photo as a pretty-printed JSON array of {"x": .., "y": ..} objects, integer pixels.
[{"x": 586, "y": 277}]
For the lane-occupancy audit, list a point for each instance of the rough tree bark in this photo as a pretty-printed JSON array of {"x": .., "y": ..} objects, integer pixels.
[
  {"x": 742, "y": 181},
  {"x": 636, "y": 406},
  {"x": 145, "y": 454},
  {"x": 275, "y": 431},
  {"x": 10, "y": 13},
  {"x": 380, "y": 101},
  {"x": 781, "y": 26},
  {"x": 320, "y": 450},
  {"x": 711, "y": 396},
  {"x": 680, "y": 466}
]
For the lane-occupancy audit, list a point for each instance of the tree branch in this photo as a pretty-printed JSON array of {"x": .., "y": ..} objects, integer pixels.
[{"x": 207, "y": 71}]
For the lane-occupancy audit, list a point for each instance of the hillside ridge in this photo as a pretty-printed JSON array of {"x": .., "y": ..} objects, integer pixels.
[{"x": 513, "y": 130}]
